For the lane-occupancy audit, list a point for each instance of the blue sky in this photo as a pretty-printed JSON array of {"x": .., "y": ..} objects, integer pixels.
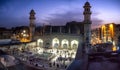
[{"x": 57, "y": 12}]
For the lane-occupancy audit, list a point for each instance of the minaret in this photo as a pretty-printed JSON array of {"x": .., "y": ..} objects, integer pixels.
[
  {"x": 32, "y": 24},
  {"x": 87, "y": 22},
  {"x": 83, "y": 48}
]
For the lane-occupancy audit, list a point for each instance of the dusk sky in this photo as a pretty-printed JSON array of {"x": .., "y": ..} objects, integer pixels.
[{"x": 57, "y": 12}]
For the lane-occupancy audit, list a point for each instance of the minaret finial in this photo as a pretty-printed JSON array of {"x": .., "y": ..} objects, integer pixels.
[{"x": 87, "y": 12}]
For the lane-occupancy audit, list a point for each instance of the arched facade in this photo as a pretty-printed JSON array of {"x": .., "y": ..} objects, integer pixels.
[
  {"x": 74, "y": 44},
  {"x": 59, "y": 41},
  {"x": 65, "y": 43},
  {"x": 55, "y": 43},
  {"x": 40, "y": 42}
]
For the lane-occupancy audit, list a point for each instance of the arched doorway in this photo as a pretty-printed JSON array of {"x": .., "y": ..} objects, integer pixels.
[
  {"x": 47, "y": 45},
  {"x": 55, "y": 43},
  {"x": 65, "y": 43},
  {"x": 74, "y": 44},
  {"x": 40, "y": 42}
]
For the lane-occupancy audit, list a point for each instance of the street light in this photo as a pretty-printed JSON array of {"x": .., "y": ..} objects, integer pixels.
[{"x": 24, "y": 35}]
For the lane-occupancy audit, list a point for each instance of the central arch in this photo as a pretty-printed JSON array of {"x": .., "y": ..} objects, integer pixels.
[
  {"x": 55, "y": 43},
  {"x": 65, "y": 43}
]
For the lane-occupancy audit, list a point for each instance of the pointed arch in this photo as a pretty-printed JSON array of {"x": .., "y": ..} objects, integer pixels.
[
  {"x": 65, "y": 43},
  {"x": 74, "y": 44},
  {"x": 40, "y": 42},
  {"x": 55, "y": 43}
]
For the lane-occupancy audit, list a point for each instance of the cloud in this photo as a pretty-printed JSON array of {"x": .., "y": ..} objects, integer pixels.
[
  {"x": 58, "y": 14},
  {"x": 96, "y": 22},
  {"x": 65, "y": 15},
  {"x": 75, "y": 14},
  {"x": 13, "y": 21}
]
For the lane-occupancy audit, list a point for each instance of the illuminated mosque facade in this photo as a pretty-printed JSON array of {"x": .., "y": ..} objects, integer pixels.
[{"x": 68, "y": 36}]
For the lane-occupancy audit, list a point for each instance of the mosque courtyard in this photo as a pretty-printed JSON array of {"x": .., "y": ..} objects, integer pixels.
[{"x": 48, "y": 59}]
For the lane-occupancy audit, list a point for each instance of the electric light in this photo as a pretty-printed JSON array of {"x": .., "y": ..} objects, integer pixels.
[
  {"x": 111, "y": 30},
  {"x": 24, "y": 31},
  {"x": 104, "y": 32},
  {"x": 114, "y": 49},
  {"x": 24, "y": 37},
  {"x": 24, "y": 40},
  {"x": 40, "y": 41}
]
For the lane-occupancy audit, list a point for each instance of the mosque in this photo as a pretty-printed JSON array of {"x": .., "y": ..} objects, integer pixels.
[{"x": 68, "y": 36}]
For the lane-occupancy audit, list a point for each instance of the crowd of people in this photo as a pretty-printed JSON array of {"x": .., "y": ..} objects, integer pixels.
[{"x": 61, "y": 58}]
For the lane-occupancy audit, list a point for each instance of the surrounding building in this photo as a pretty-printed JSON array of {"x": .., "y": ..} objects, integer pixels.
[
  {"x": 96, "y": 36},
  {"x": 5, "y": 33},
  {"x": 117, "y": 34},
  {"x": 107, "y": 33},
  {"x": 20, "y": 33}
]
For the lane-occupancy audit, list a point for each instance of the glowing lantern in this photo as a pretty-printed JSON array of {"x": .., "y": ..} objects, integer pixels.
[{"x": 114, "y": 48}]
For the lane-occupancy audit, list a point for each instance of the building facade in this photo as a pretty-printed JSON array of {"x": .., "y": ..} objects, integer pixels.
[
  {"x": 21, "y": 34},
  {"x": 96, "y": 36},
  {"x": 107, "y": 33},
  {"x": 68, "y": 36},
  {"x": 5, "y": 33}
]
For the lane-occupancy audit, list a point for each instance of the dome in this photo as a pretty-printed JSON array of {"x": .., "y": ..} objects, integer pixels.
[
  {"x": 32, "y": 12},
  {"x": 87, "y": 3}
]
